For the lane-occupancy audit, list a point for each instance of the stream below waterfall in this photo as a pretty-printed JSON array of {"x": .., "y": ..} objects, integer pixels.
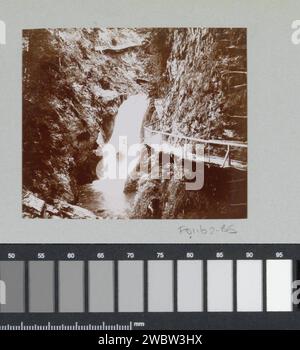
[{"x": 105, "y": 196}]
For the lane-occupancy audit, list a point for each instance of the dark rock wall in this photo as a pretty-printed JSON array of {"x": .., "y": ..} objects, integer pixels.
[
  {"x": 204, "y": 86},
  {"x": 203, "y": 94},
  {"x": 73, "y": 83}
]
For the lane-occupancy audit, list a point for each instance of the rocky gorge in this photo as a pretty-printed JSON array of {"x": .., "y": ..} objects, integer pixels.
[{"x": 74, "y": 82}]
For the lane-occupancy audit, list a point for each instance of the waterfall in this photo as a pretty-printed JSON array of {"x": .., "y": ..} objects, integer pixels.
[{"x": 107, "y": 191}]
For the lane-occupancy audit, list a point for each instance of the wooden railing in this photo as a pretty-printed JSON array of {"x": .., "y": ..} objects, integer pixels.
[{"x": 149, "y": 131}]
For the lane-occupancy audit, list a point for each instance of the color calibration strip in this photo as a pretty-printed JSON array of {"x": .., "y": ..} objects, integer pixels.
[{"x": 183, "y": 285}]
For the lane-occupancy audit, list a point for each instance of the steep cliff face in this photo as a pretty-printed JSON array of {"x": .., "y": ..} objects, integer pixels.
[
  {"x": 204, "y": 86},
  {"x": 73, "y": 83},
  {"x": 202, "y": 94}
]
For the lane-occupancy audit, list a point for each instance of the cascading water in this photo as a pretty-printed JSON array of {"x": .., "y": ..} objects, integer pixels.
[{"x": 106, "y": 196}]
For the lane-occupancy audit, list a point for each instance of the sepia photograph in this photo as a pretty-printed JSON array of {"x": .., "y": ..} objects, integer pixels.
[{"x": 134, "y": 123}]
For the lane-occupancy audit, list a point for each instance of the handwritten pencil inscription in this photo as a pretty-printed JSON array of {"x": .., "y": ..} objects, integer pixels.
[{"x": 207, "y": 230}]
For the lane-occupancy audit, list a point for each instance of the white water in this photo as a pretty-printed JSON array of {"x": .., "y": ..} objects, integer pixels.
[{"x": 106, "y": 194}]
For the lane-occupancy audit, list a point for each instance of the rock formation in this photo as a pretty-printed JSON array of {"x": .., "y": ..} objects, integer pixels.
[{"x": 74, "y": 81}]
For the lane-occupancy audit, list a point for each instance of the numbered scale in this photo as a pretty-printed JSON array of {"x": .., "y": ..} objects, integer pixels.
[{"x": 149, "y": 286}]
